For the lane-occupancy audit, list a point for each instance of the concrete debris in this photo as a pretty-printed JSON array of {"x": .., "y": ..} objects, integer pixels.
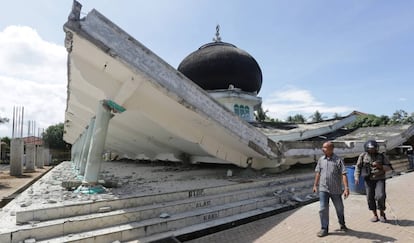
[
  {"x": 71, "y": 185},
  {"x": 229, "y": 173},
  {"x": 297, "y": 199},
  {"x": 164, "y": 215},
  {"x": 104, "y": 209},
  {"x": 25, "y": 204}
]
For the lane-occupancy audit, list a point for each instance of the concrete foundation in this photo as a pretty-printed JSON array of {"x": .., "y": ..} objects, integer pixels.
[
  {"x": 16, "y": 156},
  {"x": 39, "y": 157},
  {"x": 30, "y": 158}
]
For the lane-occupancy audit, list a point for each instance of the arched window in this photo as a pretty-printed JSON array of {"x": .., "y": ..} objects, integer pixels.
[
  {"x": 246, "y": 112},
  {"x": 237, "y": 110}
]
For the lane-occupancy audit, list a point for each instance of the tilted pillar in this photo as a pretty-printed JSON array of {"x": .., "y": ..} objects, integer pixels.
[
  {"x": 16, "y": 156},
  {"x": 86, "y": 147},
  {"x": 94, "y": 161},
  {"x": 78, "y": 150}
]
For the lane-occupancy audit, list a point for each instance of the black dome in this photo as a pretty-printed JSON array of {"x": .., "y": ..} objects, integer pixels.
[{"x": 218, "y": 64}]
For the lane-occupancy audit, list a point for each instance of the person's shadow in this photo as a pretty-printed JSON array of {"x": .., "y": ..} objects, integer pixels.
[
  {"x": 401, "y": 222},
  {"x": 374, "y": 237}
]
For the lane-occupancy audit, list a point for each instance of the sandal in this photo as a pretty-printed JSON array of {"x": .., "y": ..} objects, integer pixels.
[{"x": 374, "y": 219}]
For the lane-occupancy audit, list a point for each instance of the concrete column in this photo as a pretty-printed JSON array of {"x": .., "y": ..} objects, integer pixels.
[
  {"x": 16, "y": 156},
  {"x": 78, "y": 150},
  {"x": 72, "y": 152},
  {"x": 30, "y": 158},
  {"x": 39, "y": 157},
  {"x": 93, "y": 165},
  {"x": 86, "y": 146},
  {"x": 46, "y": 153}
]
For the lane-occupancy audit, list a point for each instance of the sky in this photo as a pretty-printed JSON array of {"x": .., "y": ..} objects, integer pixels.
[{"x": 315, "y": 55}]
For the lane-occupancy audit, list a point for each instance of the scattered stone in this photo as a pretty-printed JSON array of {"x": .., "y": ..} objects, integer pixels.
[
  {"x": 111, "y": 184},
  {"x": 71, "y": 185},
  {"x": 229, "y": 173},
  {"x": 25, "y": 204},
  {"x": 104, "y": 209},
  {"x": 297, "y": 199}
]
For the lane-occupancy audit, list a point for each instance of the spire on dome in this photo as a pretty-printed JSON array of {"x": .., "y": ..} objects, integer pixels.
[{"x": 217, "y": 38}]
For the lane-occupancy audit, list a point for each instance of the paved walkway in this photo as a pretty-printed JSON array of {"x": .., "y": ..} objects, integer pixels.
[{"x": 302, "y": 224}]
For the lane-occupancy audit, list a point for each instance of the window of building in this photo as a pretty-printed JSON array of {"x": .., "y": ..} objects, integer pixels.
[
  {"x": 242, "y": 110},
  {"x": 237, "y": 110}
]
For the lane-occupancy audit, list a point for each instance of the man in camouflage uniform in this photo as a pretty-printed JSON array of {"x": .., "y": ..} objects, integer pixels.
[{"x": 372, "y": 165}]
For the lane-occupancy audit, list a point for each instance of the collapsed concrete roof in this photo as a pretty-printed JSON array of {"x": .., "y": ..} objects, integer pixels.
[{"x": 166, "y": 116}]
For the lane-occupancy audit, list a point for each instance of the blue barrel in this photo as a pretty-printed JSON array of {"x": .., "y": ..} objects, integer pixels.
[
  {"x": 411, "y": 161},
  {"x": 360, "y": 188}
]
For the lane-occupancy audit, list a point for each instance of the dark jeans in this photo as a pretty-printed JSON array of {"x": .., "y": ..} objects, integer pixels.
[
  {"x": 375, "y": 194},
  {"x": 324, "y": 208}
]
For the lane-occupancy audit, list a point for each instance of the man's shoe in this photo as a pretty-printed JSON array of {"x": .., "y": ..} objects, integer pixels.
[
  {"x": 343, "y": 228},
  {"x": 322, "y": 233},
  {"x": 374, "y": 219},
  {"x": 382, "y": 219}
]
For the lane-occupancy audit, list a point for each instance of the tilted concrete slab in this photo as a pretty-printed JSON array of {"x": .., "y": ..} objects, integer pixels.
[
  {"x": 167, "y": 116},
  {"x": 349, "y": 145},
  {"x": 305, "y": 131}
]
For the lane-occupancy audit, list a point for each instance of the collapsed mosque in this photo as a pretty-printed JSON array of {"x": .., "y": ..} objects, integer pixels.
[{"x": 123, "y": 99}]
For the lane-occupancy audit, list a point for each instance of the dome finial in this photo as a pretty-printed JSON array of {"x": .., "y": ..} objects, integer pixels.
[{"x": 217, "y": 38}]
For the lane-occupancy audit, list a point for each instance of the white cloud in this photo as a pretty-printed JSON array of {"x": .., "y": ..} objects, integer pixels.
[
  {"x": 33, "y": 76},
  {"x": 291, "y": 101}
]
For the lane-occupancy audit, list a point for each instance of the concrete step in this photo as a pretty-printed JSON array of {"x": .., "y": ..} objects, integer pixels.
[
  {"x": 150, "y": 227},
  {"x": 281, "y": 192},
  {"x": 198, "y": 230},
  {"x": 91, "y": 207}
]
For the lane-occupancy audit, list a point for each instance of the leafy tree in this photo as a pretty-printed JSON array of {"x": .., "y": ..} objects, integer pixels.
[
  {"x": 275, "y": 120},
  {"x": 261, "y": 115},
  {"x": 53, "y": 137},
  {"x": 6, "y": 140},
  {"x": 384, "y": 120},
  {"x": 3, "y": 120},
  {"x": 298, "y": 118},
  {"x": 401, "y": 117},
  {"x": 316, "y": 117},
  {"x": 336, "y": 116}
]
